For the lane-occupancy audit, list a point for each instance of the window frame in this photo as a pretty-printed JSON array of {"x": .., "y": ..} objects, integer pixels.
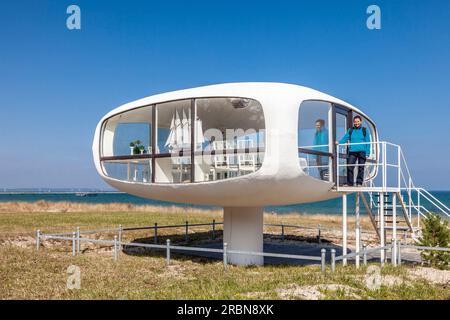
[
  {"x": 333, "y": 156},
  {"x": 180, "y": 153}
]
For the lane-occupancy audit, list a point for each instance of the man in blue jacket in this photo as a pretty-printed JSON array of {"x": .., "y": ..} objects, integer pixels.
[{"x": 358, "y": 151}]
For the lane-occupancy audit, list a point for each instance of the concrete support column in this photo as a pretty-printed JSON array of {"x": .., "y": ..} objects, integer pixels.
[{"x": 243, "y": 231}]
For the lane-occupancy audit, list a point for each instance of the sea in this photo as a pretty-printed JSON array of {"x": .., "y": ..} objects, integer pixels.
[{"x": 333, "y": 207}]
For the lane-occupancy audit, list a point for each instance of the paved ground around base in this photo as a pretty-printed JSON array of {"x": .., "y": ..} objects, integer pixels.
[{"x": 292, "y": 248}]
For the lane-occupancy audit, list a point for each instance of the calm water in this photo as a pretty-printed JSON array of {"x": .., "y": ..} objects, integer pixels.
[{"x": 330, "y": 206}]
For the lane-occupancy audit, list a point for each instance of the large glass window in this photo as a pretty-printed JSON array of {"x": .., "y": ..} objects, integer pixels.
[
  {"x": 126, "y": 137},
  {"x": 230, "y": 133},
  {"x": 173, "y": 137},
  {"x": 195, "y": 140},
  {"x": 315, "y": 139}
]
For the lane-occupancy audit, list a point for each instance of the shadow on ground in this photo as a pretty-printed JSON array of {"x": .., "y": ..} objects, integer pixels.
[{"x": 290, "y": 244}]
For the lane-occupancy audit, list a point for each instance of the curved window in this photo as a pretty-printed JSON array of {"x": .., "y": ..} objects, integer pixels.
[
  {"x": 125, "y": 143},
  {"x": 314, "y": 139},
  {"x": 320, "y": 123},
  {"x": 191, "y": 140}
]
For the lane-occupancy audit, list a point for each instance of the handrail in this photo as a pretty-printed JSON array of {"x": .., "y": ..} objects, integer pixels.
[
  {"x": 433, "y": 197},
  {"x": 403, "y": 181}
]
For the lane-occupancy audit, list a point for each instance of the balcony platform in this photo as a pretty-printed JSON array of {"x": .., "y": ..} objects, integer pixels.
[{"x": 347, "y": 189}]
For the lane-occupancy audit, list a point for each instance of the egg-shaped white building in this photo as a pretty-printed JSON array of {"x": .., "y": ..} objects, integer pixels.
[{"x": 240, "y": 146}]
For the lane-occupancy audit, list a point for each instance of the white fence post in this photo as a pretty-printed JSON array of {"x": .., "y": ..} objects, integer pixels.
[
  {"x": 74, "y": 243},
  {"x": 322, "y": 259},
  {"x": 333, "y": 260},
  {"x": 115, "y": 248},
  {"x": 78, "y": 240},
  {"x": 120, "y": 236},
  {"x": 38, "y": 239},
  {"x": 168, "y": 252}
]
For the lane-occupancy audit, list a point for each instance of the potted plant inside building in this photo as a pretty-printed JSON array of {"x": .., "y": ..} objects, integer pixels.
[{"x": 136, "y": 147}]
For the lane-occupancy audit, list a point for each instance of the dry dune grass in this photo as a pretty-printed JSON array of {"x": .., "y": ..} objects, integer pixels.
[
  {"x": 42, "y": 206},
  {"x": 66, "y": 206},
  {"x": 27, "y": 217}
]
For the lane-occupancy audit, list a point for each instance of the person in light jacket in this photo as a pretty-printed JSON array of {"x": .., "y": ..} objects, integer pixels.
[{"x": 321, "y": 144}]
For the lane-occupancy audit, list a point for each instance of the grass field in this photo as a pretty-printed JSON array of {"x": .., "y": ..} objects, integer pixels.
[{"x": 28, "y": 274}]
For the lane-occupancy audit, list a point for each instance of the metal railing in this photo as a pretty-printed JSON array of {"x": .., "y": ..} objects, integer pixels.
[
  {"x": 390, "y": 157},
  {"x": 117, "y": 244}
]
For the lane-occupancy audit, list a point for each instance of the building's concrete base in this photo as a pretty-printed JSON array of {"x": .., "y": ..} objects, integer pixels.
[{"x": 243, "y": 230}]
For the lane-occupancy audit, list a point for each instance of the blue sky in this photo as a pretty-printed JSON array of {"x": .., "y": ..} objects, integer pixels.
[{"x": 55, "y": 84}]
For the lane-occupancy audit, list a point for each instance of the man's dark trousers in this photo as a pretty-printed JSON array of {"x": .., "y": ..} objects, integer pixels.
[{"x": 353, "y": 158}]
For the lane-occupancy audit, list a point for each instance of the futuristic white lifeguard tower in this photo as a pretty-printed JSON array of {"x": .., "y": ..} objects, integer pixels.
[{"x": 240, "y": 146}]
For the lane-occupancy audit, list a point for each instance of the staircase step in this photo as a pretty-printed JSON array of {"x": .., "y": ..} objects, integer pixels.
[{"x": 386, "y": 196}]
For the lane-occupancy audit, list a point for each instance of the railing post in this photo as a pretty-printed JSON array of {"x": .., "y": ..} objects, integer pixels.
[
  {"x": 214, "y": 229},
  {"x": 319, "y": 240},
  {"x": 187, "y": 231},
  {"x": 120, "y": 236},
  {"x": 78, "y": 240},
  {"x": 382, "y": 229},
  {"x": 282, "y": 232},
  {"x": 168, "y": 252},
  {"x": 322, "y": 259},
  {"x": 357, "y": 230},
  {"x": 156, "y": 233},
  {"x": 409, "y": 197},
  {"x": 365, "y": 254},
  {"x": 38, "y": 239},
  {"x": 74, "y": 243},
  {"x": 399, "y": 253},
  {"x": 115, "y": 249},
  {"x": 418, "y": 209},
  {"x": 344, "y": 228},
  {"x": 333, "y": 260},
  {"x": 383, "y": 168},
  {"x": 225, "y": 258},
  {"x": 399, "y": 173},
  {"x": 394, "y": 230},
  {"x": 393, "y": 257}
]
